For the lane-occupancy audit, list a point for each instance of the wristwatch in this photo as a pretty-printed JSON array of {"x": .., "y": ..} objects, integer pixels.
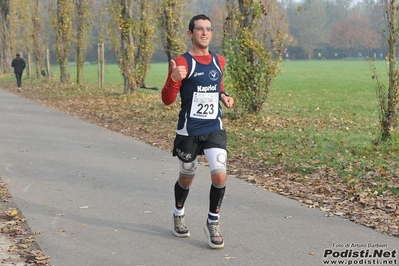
[{"x": 225, "y": 93}]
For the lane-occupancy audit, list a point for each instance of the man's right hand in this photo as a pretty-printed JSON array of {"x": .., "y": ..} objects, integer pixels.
[{"x": 178, "y": 72}]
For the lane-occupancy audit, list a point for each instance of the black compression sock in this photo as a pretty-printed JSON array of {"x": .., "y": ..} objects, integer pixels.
[
  {"x": 180, "y": 195},
  {"x": 215, "y": 198}
]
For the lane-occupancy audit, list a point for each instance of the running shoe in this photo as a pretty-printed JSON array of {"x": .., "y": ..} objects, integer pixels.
[
  {"x": 213, "y": 234},
  {"x": 180, "y": 229}
]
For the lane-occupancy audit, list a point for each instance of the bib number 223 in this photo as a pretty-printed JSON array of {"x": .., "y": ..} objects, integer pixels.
[{"x": 205, "y": 105}]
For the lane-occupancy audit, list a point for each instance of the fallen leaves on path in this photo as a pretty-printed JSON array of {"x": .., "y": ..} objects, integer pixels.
[{"x": 17, "y": 241}]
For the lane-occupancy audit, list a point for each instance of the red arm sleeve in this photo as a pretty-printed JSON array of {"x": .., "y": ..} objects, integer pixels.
[
  {"x": 172, "y": 88},
  {"x": 222, "y": 62}
]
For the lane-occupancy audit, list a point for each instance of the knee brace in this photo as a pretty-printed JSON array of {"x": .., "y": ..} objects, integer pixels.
[
  {"x": 188, "y": 169},
  {"x": 217, "y": 159}
]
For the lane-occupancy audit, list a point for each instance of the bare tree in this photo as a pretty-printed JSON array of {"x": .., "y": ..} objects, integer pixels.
[
  {"x": 145, "y": 43},
  {"x": 84, "y": 22},
  {"x": 5, "y": 32},
  {"x": 36, "y": 35},
  {"x": 388, "y": 97},
  {"x": 132, "y": 40},
  {"x": 170, "y": 25},
  {"x": 62, "y": 22}
]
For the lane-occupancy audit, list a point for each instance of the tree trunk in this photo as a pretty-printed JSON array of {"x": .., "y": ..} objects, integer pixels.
[
  {"x": 126, "y": 86},
  {"x": 37, "y": 40},
  {"x": 84, "y": 22},
  {"x": 132, "y": 43},
  {"x": 390, "y": 119},
  {"x": 79, "y": 68},
  {"x": 63, "y": 28},
  {"x": 64, "y": 72},
  {"x": 80, "y": 44},
  {"x": 127, "y": 61},
  {"x": 171, "y": 25},
  {"x": 5, "y": 36}
]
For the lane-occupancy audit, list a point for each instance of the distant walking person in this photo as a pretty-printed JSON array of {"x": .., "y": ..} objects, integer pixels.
[{"x": 19, "y": 65}]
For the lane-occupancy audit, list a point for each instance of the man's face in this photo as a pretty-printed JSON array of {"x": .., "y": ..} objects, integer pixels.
[{"x": 202, "y": 33}]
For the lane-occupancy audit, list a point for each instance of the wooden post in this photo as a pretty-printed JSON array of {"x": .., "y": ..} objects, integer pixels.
[
  {"x": 29, "y": 65},
  {"x": 48, "y": 63},
  {"x": 98, "y": 66},
  {"x": 100, "y": 63}
]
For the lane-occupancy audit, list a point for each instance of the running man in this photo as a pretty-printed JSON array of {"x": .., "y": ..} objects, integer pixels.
[{"x": 198, "y": 76}]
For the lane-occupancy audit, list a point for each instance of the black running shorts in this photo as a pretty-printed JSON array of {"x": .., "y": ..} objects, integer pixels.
[{"x": 187, "y": 148}]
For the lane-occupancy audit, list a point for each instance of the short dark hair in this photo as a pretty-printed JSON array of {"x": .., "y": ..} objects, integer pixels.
[
  {"x": 18, "y": 54},
  {"x": 195, "y": 18}
]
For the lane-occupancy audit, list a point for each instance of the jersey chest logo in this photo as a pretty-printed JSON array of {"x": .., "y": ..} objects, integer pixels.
[{"x": 213, "y": 75}]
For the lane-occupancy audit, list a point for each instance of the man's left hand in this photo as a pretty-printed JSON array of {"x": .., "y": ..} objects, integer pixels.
[{"x": 227, "y": 101}]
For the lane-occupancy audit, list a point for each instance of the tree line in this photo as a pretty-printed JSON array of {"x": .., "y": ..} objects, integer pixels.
[{"x": 334, "y": 28}]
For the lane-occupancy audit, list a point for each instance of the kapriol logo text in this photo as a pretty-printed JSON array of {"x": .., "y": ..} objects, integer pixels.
[{"x": 207, "y": 88}]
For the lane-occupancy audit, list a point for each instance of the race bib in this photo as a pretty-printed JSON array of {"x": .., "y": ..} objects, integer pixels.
[{"x": 205, "y": 105}]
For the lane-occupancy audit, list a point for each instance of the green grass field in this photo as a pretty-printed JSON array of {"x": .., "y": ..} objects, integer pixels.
[
  {"x": 329, "y": 116},
  {"x": 156, "y": 77}
]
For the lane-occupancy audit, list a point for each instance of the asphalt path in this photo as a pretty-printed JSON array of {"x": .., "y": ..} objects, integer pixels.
[{"x": 96, "y": 197}]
